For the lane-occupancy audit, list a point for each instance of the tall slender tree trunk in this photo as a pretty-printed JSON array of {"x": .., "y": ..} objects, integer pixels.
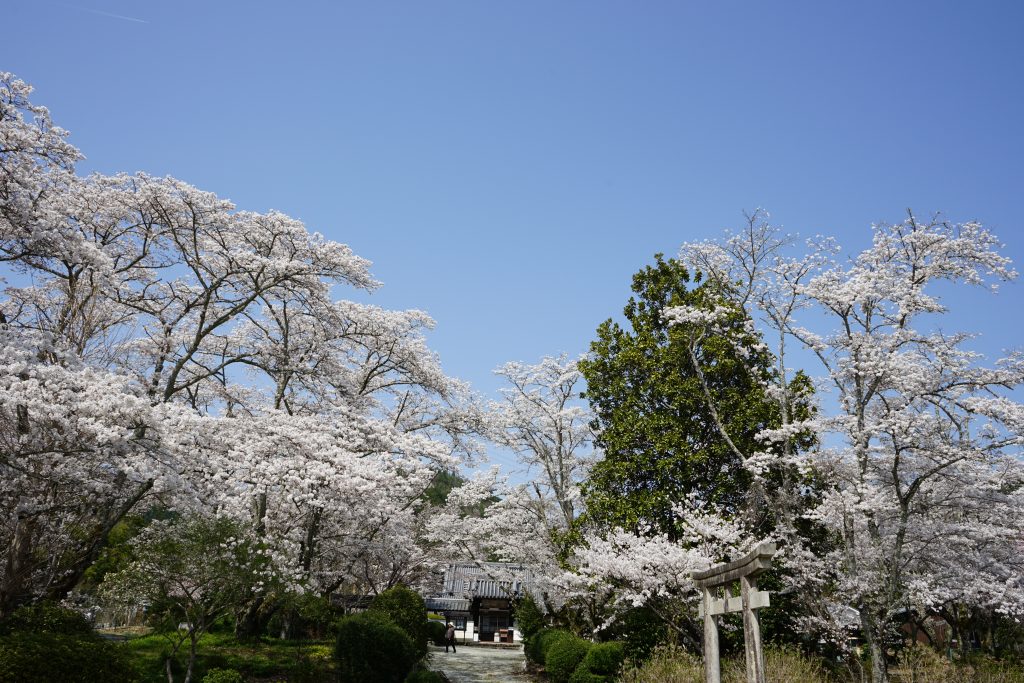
[
  {"x": 12, "y": 588},
  {"x": 879, "y": 667}
]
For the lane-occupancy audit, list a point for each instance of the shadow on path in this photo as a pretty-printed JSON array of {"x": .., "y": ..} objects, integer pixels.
[{"x": 480, "y": 664}]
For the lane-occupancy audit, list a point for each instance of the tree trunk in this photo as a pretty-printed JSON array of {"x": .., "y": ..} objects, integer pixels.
[
  {"x": 12, "y": 589},
  {"x": 252, "y": 622},
  {"x": 193, "y": 638},
  {"x": 879, "y": 667}
]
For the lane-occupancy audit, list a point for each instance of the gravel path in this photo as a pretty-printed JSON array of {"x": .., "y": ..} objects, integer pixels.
[{"x": 480, "y": 664}]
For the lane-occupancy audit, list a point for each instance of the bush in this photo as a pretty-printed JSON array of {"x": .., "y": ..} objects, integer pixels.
[
  {"x": 563, "y": 656},
  {"x": 435, "y": 632},
  {"x": 423, "y": 675},
  {"x": 641, "y": 630},
  {"x": 582, "y": 675},
  {"x": 536, "y": 647},
  {"x": 223, "y": 676},
  {"x": 529, "y": 618},
  {"x": 46, "y": 617},
  {"x": 407, "y": 610},
  {"x": 605, "y": 659},
  {"x": 45, "y": 657},
  {"x": 371, "y": 647}
]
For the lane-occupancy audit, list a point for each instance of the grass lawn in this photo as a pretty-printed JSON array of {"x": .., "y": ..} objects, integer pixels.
[{"x": 269, "y": 660}]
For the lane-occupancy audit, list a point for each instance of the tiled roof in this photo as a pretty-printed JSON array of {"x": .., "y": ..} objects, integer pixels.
[
  {"x": 448, "y": 604},
  {"x": 486, "y": 580}
]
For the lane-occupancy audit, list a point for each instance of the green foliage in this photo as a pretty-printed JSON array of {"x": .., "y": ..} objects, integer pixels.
[
  {"x": 223, "y": 676},
  {"x": 659, "y": 438},
  {"x": 61, "y": 654},
  {"x": 563, "y": 656},
  {"x": 299, "y": 615},
  {"x": 605, "y": 659},
  {"x": 45, "y": 617},
  {"x": 582, "y": 675},
  {"x": 435, "y": 632},
  {"x": 407, "y": 610},
  {"x": 444, "y": 481},
  {"x": 640, "y": 630},
  {"x": 371, "y": 647},
  {"x": 536, "y": 647},
  {"x": 529, "y": 617},
  {"x": 268, "y": 659},
  {"x": 600, "y": 664},
  {"x": 424, "y": 675}
]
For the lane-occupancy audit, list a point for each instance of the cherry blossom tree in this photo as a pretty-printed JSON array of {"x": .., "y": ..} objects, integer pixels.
[
  {"x": 542, "y": 419},
  {"x": 190, "y": 572},
  {"x": 231, "y": 378},
  {"x": 922, "y": 448},
  {"x": 544, "y": 422}
]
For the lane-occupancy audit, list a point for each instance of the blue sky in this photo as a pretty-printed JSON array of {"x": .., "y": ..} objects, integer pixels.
[{"x": 508, "y": 165}]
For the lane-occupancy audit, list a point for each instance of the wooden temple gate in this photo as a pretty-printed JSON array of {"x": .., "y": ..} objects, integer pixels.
[{"x": 716, "y": 586}]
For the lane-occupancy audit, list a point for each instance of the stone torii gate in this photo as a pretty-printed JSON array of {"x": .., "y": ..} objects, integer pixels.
[{"x": 720, "y": 579}]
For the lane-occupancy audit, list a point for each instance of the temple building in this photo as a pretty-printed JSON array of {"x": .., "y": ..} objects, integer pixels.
[{"x": 478, "y": 598}]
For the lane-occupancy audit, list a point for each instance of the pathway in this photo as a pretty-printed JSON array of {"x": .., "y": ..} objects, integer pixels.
[{"x": 480, "y": 664}]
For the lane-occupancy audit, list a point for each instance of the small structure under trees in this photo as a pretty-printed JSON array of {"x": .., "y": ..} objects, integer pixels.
[
  {"x": 478, "y": 598},
  {"x": 720, "y": 578}
]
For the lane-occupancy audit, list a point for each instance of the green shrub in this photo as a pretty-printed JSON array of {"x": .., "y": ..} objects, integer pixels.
[
  {"x": 641, "y": 630},
  {"x": 424, "y": 675},
  {"x": 536, "y": 647},
  {"x": 371, "y": 647},
  {"x": 46, "y": 617},
  {"x": 563, "y": 656},
  {"x": 529, "y": 618},
  {"x": 223, "y": 676},
  {"x": 45, "y": 657},
  {"x": 407, "y": 610},
  {"x": 435, "y": 632},
  {"x": 605, "y": 659},
  {"x": 583, "y": 675}
]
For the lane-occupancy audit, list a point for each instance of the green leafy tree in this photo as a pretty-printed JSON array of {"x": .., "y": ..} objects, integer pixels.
[
  {"x": 191, "y": 571},
  {"x": 407, "y": 610},
  {"x": 662, "y": 442}
]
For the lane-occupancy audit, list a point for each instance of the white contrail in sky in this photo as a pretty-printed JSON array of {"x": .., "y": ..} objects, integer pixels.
[{"x": 102, "y": 13}]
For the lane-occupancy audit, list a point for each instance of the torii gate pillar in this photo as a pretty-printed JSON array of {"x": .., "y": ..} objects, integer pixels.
[{"x": 720, "y": 578}]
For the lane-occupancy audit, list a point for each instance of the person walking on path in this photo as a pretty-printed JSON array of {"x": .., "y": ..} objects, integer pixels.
[{"x": 449, "y": 637}]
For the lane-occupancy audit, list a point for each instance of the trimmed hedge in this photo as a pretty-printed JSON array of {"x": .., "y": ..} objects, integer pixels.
[
  {"x": 563, "y": 656},
  {"x": 601, "y": 663},
  {"x": 605, "y": 659},
  {"x": 581, "y": 675},
  {"x": 435, "y": 632},
  {"x": 536, "y": 647},
  {"x": 371, "y": 647}
]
